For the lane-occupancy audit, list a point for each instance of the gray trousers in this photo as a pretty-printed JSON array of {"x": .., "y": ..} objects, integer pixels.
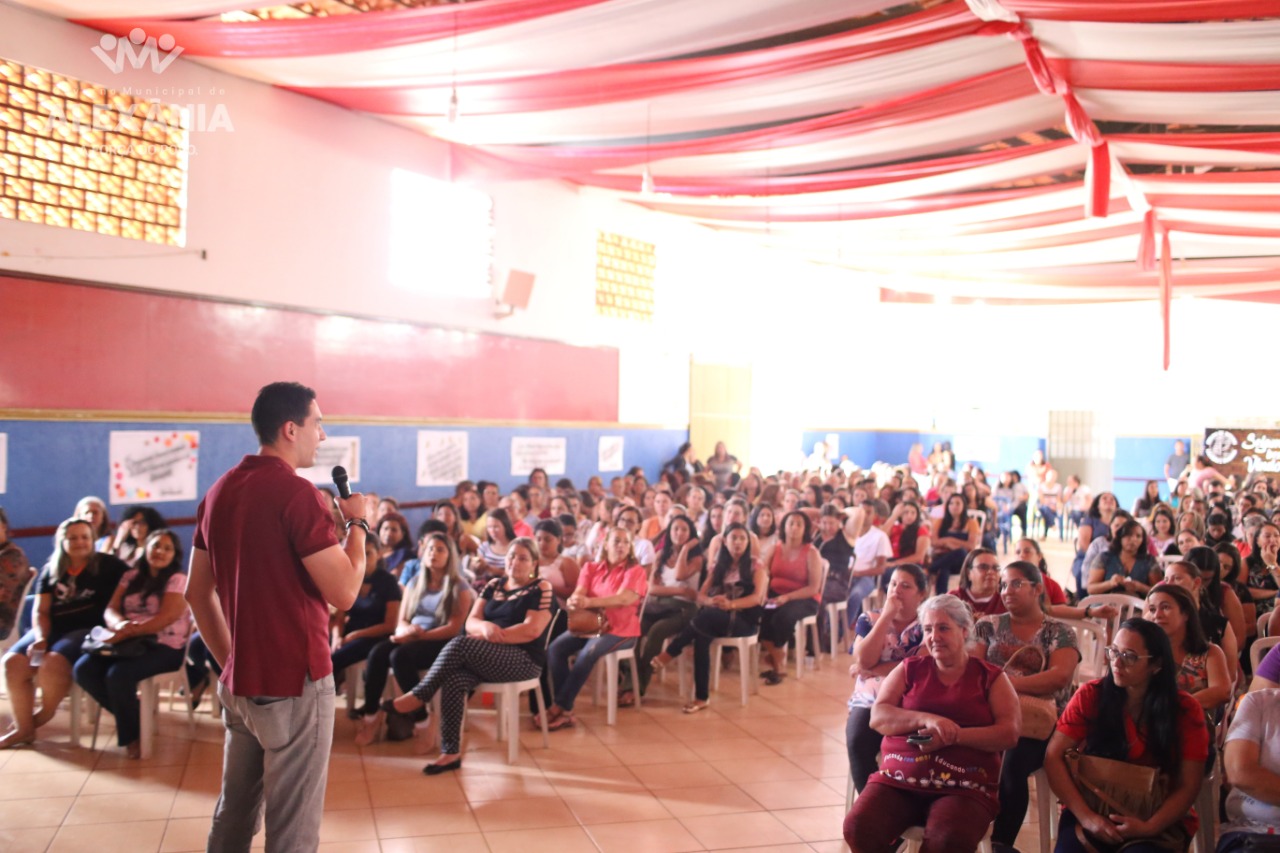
[{"x": 277, "y": 752}]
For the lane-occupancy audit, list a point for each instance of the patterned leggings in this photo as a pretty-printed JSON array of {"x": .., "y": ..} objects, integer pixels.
[{"x": 464, "y": 663}]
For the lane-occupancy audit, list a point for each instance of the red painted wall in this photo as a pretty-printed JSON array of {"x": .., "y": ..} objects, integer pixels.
[{"x": 72, "y": 346}]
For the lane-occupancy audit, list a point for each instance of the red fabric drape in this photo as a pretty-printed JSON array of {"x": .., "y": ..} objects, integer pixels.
[
  {"x": 581, "y": 87},
  {"x": 1141, "y": 11},
  {"x": 1166, "y": 290},
  {"x": 338, "y": 33},
  {"x": 951, "y": 99}
]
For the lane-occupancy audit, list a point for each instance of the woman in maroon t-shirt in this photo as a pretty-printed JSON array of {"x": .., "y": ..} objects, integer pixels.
[{"x": 946, "y": 720}]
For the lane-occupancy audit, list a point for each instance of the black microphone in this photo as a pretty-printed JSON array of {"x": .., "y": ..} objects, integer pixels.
[{"x": 342, "y": 482}]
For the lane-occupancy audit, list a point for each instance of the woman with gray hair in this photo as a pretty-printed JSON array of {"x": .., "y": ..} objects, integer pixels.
[{"x": 946, "y": 719}]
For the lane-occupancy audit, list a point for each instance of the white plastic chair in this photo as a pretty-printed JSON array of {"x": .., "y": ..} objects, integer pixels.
[
  {"x": 748, "y": 662},
  {"x": 914, "y": 836},
  {"x": 506, "y": 696},
  {"x": 835, "y": 611},
  {"x": 1091, "y": 640},
  {"x": 807, "y": 624},
  {"x": 1259, "y": 650},
  {"x": 1128, "y": 606},
  {"x": 1046, "y": 808}
]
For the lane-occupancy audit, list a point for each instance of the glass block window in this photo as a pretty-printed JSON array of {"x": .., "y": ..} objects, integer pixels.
[
  {"x": 624, "y": 277},
  {"x": 78, "y": 155}
]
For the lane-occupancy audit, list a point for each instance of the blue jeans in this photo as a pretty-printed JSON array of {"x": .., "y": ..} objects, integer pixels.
[
  {"x": 113, "y": 684},
  {"x": 568, "y": 680},
  {"x": 858, "y": 590}
]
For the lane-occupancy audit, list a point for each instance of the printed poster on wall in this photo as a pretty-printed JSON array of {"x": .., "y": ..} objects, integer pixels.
[
  {"x": 610, "y": 453},
  {"x": 529, "y": 452},
  {"x": 341, "y": 450},
  {"x": 442, "y": 458},
  {"x": 4, "y": 462},
  {"x": 152, "y": 466}
]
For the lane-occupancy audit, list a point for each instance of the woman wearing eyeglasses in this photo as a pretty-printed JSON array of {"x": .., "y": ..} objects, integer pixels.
[
  {"x": 1039, "y": 655},
  {"x": 1134, "y": 714},
  {"x": 980, "y": 583}
]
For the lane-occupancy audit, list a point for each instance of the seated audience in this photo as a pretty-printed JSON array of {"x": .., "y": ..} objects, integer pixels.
[
  {"x": 886, "y": 637},
  {"x": 1201, "y": 665},
  {"x": 729, "y": 606},
  {"x": 795, "y": 574},
  {"x": 136, "y": 525},
  {"x": 980, "y": 583},
  {"x": 499, "y": 534},
  {"x": 1095, "y": 525},
  {"x": 147, "y": 623},
  {"x": 871, "y": 552},
  {"x": 1039, "y": 655},
  {"x": 15, "y": 572},
  {"x": 372, "y": 618},
  {"x": 1134, "y": 714},
  {"x": 955, "y": 534},
  {"x": 504, "y": 641},
  {"x": 616, "y": 585},
  {"x": 1264, "y": 554},
  {"x": 1251, "y": 759},
  {"x": 432, "y": 612},
  {"x": 1127, "y": 567},
  {"x": 73, "y": 591},
  {"x": 672, "y": 594},
  {"x": 946, "y": 719}
]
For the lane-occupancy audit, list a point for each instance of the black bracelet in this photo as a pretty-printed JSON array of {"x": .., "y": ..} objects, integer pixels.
[{"x": 358, "y": 522}]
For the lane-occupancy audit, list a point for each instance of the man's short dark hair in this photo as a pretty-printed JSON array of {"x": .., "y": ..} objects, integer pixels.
[{"x": 278, "y": 404}]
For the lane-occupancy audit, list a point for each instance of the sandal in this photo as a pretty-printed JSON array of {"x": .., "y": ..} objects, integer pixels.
[
  {"x": 564, "y": 721},
  {"x": 626, "y": 699},
  {"x": 695, "y": 707},
  {"x": 772, "y": 677}
]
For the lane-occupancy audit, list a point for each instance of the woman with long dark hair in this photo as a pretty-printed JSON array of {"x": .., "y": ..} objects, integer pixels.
[
  {"x": 136, "y": 525},
  {"x": 1134, "y": 714},
  {"x": 1095, "y": 525},
  {"x": 1264, "y": 554},
  {"x": 672, "y": 594},
  {"x": 954, "y": 536},
  {"x": 1148, "y": 500},
  {"x": 1202, "y": 666},
  {"x": 1162, "y": 529},
  {"x": 148, "y": 603},
  {"x": 1044, "y": 673},
  {"x": 795, "y": 574},
  {"x": 1127, "y": 567},
  {"x": 730, "y": 606}
]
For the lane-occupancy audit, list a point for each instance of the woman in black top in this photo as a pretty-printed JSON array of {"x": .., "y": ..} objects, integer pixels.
[
  {"x": 73, "y": 591},
  {"x": 505, "y": 641}
]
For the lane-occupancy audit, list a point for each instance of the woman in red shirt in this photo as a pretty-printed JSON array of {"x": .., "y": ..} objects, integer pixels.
[
  {"x": 616, "y": 584},
  {"x": 795, "y": 573},
  {"x": 1136, "y": 714}
]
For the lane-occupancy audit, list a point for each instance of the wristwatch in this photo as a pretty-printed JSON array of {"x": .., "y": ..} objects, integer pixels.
[{"x": 357, "y": 522}]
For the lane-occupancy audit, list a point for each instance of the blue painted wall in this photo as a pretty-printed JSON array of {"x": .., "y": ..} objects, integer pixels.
[
  {"x": 864, "y": 447},
  {"x": 52, "y": 464},
  {"x": 1137, "y": 460}
]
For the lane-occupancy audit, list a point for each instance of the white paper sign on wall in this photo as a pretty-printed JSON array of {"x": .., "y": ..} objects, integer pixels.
[
  {"x": 152, "y": 466},
  {"x": 341, "y": 450},
  {"x": 442, "y": 457},
  {"x": 545, "y": 452},
  {"x": 610, "y": 453}
]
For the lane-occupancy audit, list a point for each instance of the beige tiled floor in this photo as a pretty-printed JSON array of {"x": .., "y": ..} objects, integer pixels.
[{"x": 770, "y": 776}]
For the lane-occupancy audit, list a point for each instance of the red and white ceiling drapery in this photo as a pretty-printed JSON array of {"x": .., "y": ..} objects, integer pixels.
[{"x": 926, "y": 145}]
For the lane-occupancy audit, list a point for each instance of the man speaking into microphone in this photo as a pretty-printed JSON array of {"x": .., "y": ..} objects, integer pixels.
[{"x": 265, "y": 563}]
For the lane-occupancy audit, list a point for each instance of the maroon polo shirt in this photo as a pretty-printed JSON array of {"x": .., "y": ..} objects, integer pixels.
[{"x": 257, "y": 524}]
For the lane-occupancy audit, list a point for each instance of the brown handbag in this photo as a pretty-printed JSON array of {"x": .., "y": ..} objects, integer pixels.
[
  {"x": 587, "y": 622},
  {"x": 1039, "y": 713},
  {"x": 1118, "y": 787}
]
